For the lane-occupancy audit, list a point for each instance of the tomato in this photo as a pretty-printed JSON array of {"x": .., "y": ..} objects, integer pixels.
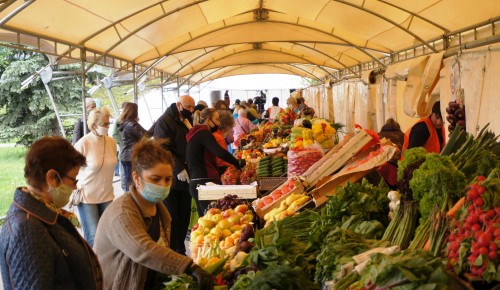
[
  {"x": 473, "y": 218},
  {"x": 491, "y": 213}
]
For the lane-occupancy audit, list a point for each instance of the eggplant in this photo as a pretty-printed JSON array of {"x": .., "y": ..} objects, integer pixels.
[
  {"x": 246, "y": 234},
  {"x": 451, "y": 119},
  {"x": 459, "y": 114},
  {"x": 245, "y": 246}
]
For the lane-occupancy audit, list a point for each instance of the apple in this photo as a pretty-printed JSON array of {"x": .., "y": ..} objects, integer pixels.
[
  {"x": 206, "y": 223},
  {"x": 246, "y": 218},
  {"x": 226, "y": 233},
  {"x": 213, "y": 211},
  {"x": 216, "y": 218},
  {"x": 236, "y": 228},
  {"x": 216, "y": 232},
  {"x": 242, "y": 208},
  {"x": 224, "y": 224},
  {"x": 235, "y": 218},
  {"x": 260, "y": 204},
  {"x": 227, "y": 213}
]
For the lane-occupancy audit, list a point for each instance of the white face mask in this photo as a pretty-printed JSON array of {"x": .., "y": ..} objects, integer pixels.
[{"x": 103, "y": 131}]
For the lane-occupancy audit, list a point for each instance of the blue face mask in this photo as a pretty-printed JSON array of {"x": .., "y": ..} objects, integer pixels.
[{"x": 154, "y": 193}]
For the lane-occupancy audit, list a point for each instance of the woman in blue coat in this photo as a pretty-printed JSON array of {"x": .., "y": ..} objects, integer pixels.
[{"x": 39, "y": 245}]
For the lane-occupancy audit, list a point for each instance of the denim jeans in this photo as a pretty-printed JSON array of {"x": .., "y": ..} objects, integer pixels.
[
  {"x": 89, "y": 218},
  {"x": 127, "y": 169}
]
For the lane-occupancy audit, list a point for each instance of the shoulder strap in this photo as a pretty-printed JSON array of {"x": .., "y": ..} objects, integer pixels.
[{"x": 242, "y": 126}]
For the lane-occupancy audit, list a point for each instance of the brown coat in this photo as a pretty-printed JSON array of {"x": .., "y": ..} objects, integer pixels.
[{"x": 126, "y": 250}]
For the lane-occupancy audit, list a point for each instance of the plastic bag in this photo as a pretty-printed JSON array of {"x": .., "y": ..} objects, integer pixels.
[{"x": 300, "y": 160}]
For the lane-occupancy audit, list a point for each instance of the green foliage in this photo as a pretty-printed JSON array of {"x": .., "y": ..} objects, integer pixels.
[
  {"x": 410, "y": 156},
  {"x": 436, "y": 182},
  {"x": 27, "y": 114},
  {"x": 11, "y": 166}
]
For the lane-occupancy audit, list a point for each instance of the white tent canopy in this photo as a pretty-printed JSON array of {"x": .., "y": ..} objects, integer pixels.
[{"x": 193, "y": 41}]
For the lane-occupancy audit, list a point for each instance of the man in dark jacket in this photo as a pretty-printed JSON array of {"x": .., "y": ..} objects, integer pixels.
[
  {"x": 78, "y": 130},
  {"x": 173, "y": 126}
]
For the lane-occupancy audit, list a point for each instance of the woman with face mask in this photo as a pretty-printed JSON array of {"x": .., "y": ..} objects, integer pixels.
[
  {"x": 96, "y": 179},
  {"x": 132, "y": 239},
  {"x": 202, "y": 150},
  {"x": 40, "y": 247}
]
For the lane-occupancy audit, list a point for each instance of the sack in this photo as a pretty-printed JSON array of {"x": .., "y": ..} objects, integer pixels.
[{"x": 76, "y": 197}]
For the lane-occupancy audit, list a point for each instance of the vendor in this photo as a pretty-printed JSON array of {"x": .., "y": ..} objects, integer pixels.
[{"x": 427, "y": 132}]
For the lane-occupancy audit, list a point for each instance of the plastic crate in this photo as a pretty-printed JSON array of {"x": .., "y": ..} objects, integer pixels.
[{"x": 270, "y": 183}]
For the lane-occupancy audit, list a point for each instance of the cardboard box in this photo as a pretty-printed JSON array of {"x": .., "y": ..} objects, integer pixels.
[{"x": 213, "y": 191}]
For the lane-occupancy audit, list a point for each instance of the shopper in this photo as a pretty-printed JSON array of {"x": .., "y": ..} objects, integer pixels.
[
  {"x": 115, "y": 133},
  {"x": 272, "y": 112},
  {"x": 78, "y": 131},
  {"x": 291, "y": 102},
  {"x": 131, "y": 232},
  {"x": 96, "y": 179},
  {"x": 40, "y": 247},
  {"x": 389, "y": 171},
  {"x": 202, "y": 150},
  {"x": 226, "y": 121},
  {"x": 220, "y": 105},
  {"x": 131, "y": 132},
  {"x": 427, "y": 132},
  {"x": 172, "y": 127},
  {"x": 243, "y": 125}
]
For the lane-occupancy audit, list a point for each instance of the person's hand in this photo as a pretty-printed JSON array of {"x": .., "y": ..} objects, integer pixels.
[
  {"x": 204, "y": 279},
  {"x": 242, "y": 163},
  {"x": 183, "y": 176}
]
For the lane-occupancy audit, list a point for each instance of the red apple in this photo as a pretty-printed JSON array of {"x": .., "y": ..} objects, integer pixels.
[{"x": 242, "y": 208}]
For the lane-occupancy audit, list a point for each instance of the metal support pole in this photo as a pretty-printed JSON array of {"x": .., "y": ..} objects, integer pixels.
[
  {"x": 161, "y": 93},
  {"x": 84, "y": 79},
  {"x": 55, "y": 110},
  {"x": 134, "y": 77}
]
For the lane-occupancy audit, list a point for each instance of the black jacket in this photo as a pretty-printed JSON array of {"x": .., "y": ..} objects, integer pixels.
[
  {"x": 77, "y": 131},
  {"x": 170, "y": 128},
  {"x": 202, "y": 150},
  {"x": 131, "y": 132},
  {"x": 41, "y": 249}
]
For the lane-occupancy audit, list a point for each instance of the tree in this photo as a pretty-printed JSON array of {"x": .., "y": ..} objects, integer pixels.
[{"x": 27, "y": 114}]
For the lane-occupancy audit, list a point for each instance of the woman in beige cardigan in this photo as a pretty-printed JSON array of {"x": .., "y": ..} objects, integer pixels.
[{"x": 128, "y": 234}]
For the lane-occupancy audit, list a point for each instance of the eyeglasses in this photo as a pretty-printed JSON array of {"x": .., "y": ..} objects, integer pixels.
[{"x": 74, "y": 180}]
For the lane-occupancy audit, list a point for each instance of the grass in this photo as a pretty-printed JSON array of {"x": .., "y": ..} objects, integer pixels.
[{"x": 11, "y": 175}]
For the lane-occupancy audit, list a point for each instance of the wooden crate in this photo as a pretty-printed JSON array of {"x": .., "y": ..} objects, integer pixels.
[
  {"x": 298, "y": 189},
  {"x": 270, "y": 183},
  {"x": 333, "y": 162},
  {"x": 215, "y": 192}
]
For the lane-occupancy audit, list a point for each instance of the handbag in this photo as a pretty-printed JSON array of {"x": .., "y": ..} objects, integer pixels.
[{"x": 76, "y": 197}]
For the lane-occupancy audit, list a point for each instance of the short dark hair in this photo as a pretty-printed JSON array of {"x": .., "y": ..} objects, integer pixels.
[
  {"x": 226, "y": 120},
  {"x": 436, "y": 109},
  {"x": 275, "y": 101},
  {"x": 50, "y": 152},
  {"x": 147, "y": 153}
]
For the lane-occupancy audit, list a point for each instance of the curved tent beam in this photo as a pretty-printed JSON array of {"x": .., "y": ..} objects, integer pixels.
[
  {"x": 241, "y": 66},
  {"x": 295, "y": 43},
  {"x": 6, "y": 4},
  {"x": 15, "y": 11},
  {"x": 388, "y": 20},
  {"x": 416, "y": 15},
  {"x": 347, "y": 43},
  {"x": 133, "y": 32},
  {"x": 233, "y": 54}
]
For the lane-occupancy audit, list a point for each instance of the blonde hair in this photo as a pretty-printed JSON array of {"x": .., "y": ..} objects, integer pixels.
[
  {"x": 201, "y": 116},
  {"x": 242, "y": 112},
  {"x": 94, "y": 116}
]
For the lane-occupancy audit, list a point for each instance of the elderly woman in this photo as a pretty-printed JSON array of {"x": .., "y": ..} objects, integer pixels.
[
  {"x": 40, "y": 247},
  {"x": 243, "y": 125},
  {"x": 96, "y": 179},
  {"x": 128, "y": 235}
]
